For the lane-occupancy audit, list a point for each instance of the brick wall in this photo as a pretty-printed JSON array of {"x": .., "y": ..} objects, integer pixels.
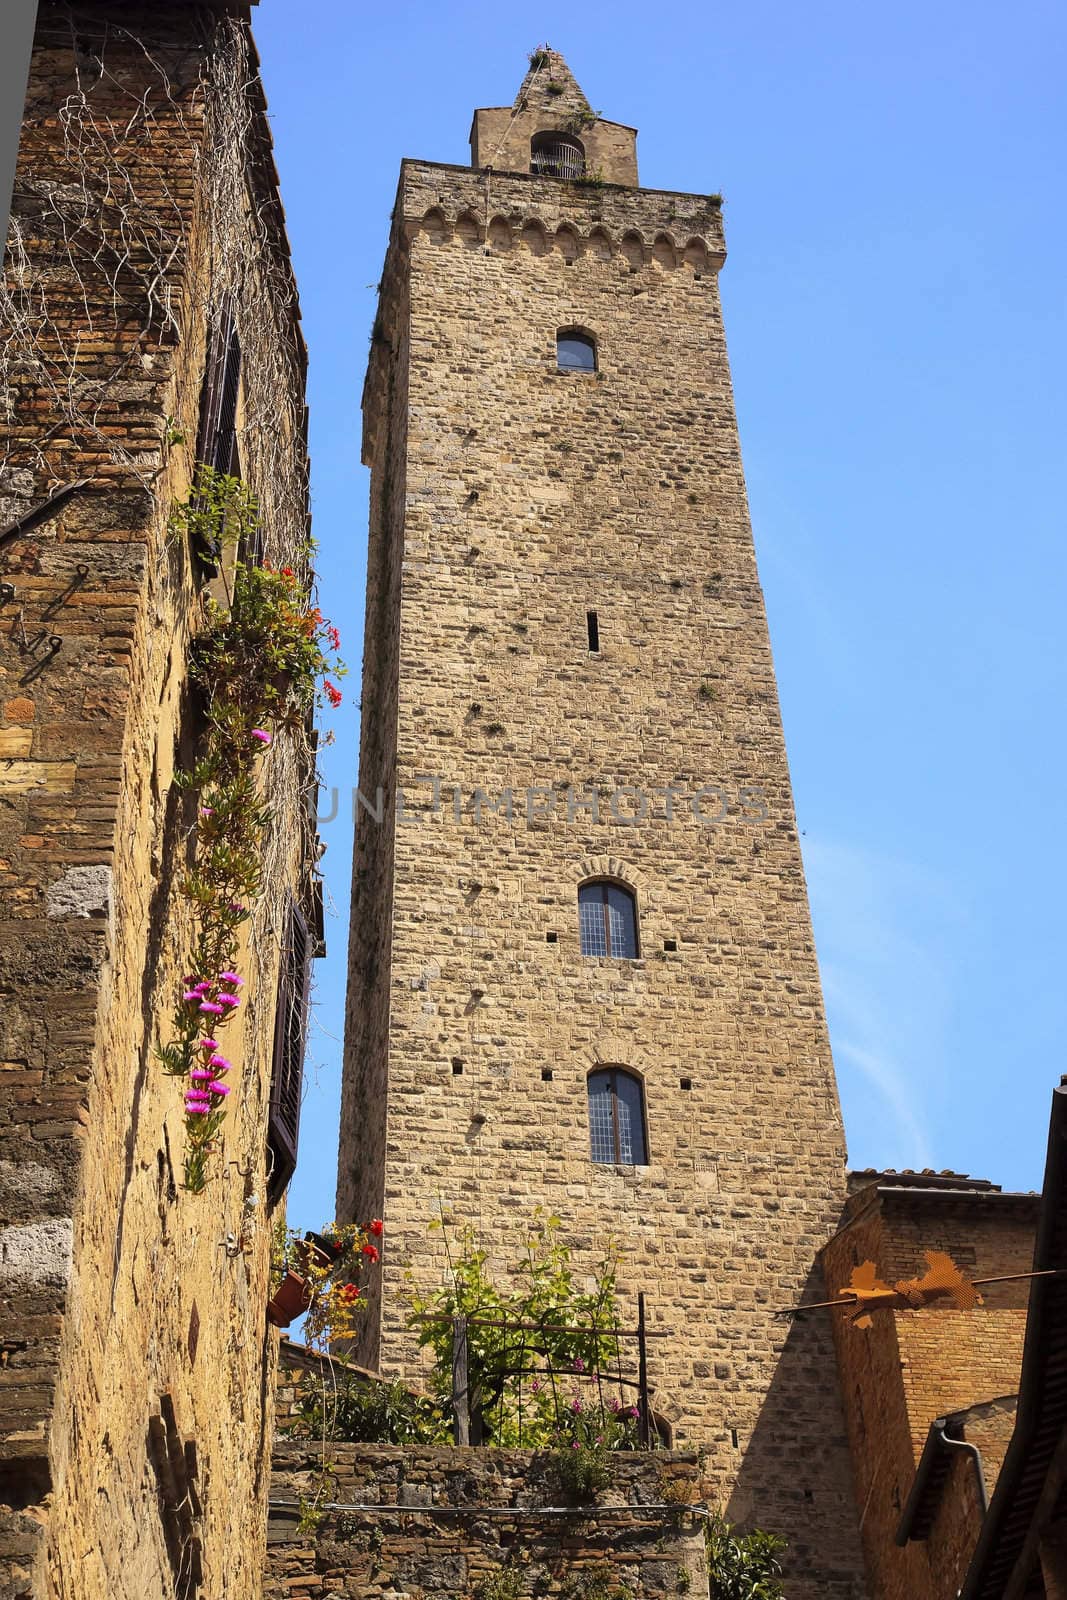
[
  {"x": 126, "y": 1305},
  {"x": 508, "y": 499},
  {"x": 912, "y": 1367},
  {"x": 443, "y": 1521}
]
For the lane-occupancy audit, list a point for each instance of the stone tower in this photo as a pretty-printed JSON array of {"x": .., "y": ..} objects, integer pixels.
[{"x": 582, "y": 967}]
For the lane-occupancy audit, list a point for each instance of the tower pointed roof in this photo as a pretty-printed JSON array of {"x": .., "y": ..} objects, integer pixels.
[
  {"x": 549, "y": 102},
  {"x": 550, "y": 85}
]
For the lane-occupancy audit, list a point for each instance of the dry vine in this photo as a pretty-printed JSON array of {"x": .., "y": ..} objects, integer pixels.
[{"x": 145, "y": 196}]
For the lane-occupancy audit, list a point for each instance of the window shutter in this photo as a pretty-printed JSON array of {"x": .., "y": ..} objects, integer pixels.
[
  {"x": 217, "y": 438},
  {"x": 290, "y": 1035},
  {"x": 226, "y": 439}
]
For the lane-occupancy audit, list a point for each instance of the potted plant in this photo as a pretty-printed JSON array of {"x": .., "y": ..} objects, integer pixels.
[{"x": 326, "y": 1276}]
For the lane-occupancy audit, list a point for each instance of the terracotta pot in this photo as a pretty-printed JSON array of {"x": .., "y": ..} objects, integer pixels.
[{"x": 291, "y": 1301}]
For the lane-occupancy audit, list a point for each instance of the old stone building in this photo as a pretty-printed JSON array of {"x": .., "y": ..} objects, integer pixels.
[
  {"x": 582, "y": 913},
  {"x": 149, "y": 319}
]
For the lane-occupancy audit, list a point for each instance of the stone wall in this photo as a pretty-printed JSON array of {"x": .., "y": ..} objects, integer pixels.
[
  {"x": 509, "y": 499},
  {"x": 131, "y": 1312},
  {"x": 405, "y": 1522}
]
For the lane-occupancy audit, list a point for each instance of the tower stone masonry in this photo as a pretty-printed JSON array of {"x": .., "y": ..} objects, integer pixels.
[{"x": 568, "y": 681}]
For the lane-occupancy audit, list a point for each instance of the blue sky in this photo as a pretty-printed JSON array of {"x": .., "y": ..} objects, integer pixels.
[{"x": 895, "y": 316}]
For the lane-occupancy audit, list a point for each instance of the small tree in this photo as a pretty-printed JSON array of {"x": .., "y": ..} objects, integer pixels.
[{"x": 534, "y": 1348}]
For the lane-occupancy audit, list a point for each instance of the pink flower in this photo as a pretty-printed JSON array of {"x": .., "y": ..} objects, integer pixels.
[
  {"x": 218, "y": 1088},
  {"x": 575, "y": 1445},
  {"x": 231, "y": 977},
  {"x": 261, "y": 734},
  {"x": 196, "y": 1108},
  {"x": 576, "y": 1404},
  {"x": 235, "y": 905},
  {"x": 228, "y": 1000},
  {"x": 579, "y": 1364},
  {"x": 192, "y": 997},
  {"x": 209, "y": 1044},
  {"x": 220, "y": 1063},
  {"x": 207, "y": 811},
  {"x": 536, "y": 1386},
  {"x": 202, "y": 1074},
  {"x": 635, "y": 1411},
  {"x": 210, "y": 1009}
]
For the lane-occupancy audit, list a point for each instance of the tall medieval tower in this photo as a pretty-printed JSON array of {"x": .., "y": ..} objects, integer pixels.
[{"x": 582, "y": 967}]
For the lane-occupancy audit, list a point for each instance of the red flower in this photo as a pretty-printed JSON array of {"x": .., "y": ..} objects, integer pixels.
[
  {"x": 334, "y": 638},
  {"x": 348, "y": 1293},
  {"x": 333, "y": 695},
  {"x": 377, "y": 1227},
  {"x": 287, "y": 572},
  {"x": 371, "y": 1253}
]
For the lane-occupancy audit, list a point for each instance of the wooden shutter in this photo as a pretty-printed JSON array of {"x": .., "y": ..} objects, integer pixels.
[
  {"x": 290, "y": 1035},
  {"x": 216, "y": 443}
]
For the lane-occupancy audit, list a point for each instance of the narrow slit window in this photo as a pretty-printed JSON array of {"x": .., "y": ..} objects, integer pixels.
[
  {"x": 592, "y": 624},
  {"x": 616, "y": 1119},
  {"x": 607, "y": 921}
]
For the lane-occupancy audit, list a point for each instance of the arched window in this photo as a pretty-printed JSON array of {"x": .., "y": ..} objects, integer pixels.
[
  {"x": 607, "y": 920},
  {"x": 556, "y": 155},
  {"x": 575, "y": 351},
  {"x": 617, "y": 1118}
]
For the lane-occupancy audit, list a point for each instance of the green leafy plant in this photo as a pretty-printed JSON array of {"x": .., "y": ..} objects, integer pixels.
[
  {"x": 312, "y": 1507},
  {"x": 593, "y": 179},
  {"x": 742, "y": 1566},
  {"x": 537, "y": 59},
  {"x": 596, "y": 1583},
  {"x": 583, "y": 1445},
  {"x": 505, "y": 1583},
  {"x": 258, "y": 665},
  {"x": 361, "y": 1411},
  {"x": 581, "y": 119}
]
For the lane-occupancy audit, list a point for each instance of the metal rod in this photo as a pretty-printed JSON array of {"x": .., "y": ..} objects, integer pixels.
[
  {"x": 977, "y": 1283},
  {"x": 590, "y": 1512},
  {"x": 460, "y": 1393},
  {"x": 1015, "y": 1277},
  {"x": 555, "y": 1327},
  {"x": 642, "y": 1372}
]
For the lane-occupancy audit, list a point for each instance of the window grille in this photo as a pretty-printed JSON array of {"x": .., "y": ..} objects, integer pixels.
[
  {"x": 290, "y": 1036},
  {"x": 607, "y": 921},
  {"x": 616, "y": 1119},
  {"x": 553, "y": 155}
]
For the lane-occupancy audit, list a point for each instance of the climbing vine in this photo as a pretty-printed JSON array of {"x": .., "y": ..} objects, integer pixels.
[{"x": 260, "y": 665}]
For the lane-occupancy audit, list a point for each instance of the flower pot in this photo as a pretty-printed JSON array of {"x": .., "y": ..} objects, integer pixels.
[
  {"x": 330, "y": 1250},
  {"x": 291, "y": 1300}
]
